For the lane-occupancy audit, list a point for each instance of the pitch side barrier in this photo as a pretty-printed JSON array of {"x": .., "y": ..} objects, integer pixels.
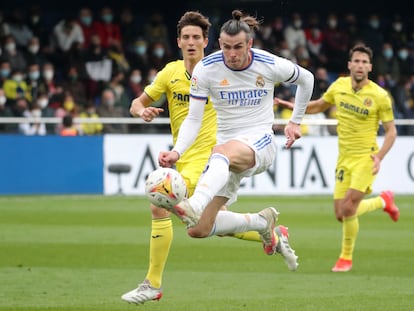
[
  {"x": 55, "y": 120},
  {"x": 112, "y": 164}
]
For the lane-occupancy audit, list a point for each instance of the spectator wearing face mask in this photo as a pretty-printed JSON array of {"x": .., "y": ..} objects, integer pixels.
[
  {"x": 406, "y": 60},
  {"x": 15, "y": 87},
  {"x": 108, "y": 29},
  {"x": 386, "y": 63},
  {"x": 48, "y": 81},
  {"x": 158, "y": 55},
  {"x": 33, "y": 81},
  {"x": 5, "y": 71},
  {"x": 135, "y": 85},
  {"x": 13, "y": 55},
  {"x": 33, "y": 52},
  {"x": 107, "y": 109},
  {"x": 42, "y": 101},
  {"x": 137, "y": 55},
  {"x": 335, "y": 44},
  {"x": 294, "y": 32},
  {"x": 88, "y": 24}
]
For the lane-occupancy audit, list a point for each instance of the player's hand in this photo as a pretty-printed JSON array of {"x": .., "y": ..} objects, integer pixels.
[
  {"x": 149, "y": 113},
  {"x": 292, "y": 133},
  {"x": 168, "y": 158},
  {"x": 377, "y": 164}
]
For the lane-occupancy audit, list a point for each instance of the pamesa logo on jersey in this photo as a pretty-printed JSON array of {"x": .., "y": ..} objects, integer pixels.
[{"x": 181, "y": 98}]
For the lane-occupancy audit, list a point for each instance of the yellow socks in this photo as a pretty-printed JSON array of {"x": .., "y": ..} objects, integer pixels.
[
  {"x": 248, "y": 236},
  {"x": 350, "y": 228},
  {"x": 160, "y": 243},
  {"x": 369, "y": 205}
]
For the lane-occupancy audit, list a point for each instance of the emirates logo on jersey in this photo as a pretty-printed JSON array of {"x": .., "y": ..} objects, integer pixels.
[{"x": 260, "y": 82}]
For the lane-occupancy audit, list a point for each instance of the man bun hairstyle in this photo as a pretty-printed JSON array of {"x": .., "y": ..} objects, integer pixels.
[{"x": 240, "y": 22}]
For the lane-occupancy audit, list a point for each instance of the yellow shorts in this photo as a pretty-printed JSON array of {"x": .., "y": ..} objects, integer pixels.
[
  {"x": 191, "y": 171},
  {"x": 353, "y": 172}
]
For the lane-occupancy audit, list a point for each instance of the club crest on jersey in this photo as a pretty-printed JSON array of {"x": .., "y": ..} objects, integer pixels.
[
  {"x": 367, "y": 102},
  {"x": 260, "y": 82}
]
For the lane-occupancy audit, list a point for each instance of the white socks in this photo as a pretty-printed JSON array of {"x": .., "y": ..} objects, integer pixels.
[
  {"x": 230, "y": 222},
  {"x": 215, "y": 177}
]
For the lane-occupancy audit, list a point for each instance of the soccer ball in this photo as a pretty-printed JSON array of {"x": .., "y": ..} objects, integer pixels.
[{"x": 165, "y": 187}]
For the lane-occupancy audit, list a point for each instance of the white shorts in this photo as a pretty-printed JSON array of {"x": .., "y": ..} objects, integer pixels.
[{"x": 264, "y": 147}]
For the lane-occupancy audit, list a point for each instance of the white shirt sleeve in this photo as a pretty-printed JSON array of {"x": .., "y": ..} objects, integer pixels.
[
  {"x": 191, "y": 125},
  {"x": 303, "y": 94}
]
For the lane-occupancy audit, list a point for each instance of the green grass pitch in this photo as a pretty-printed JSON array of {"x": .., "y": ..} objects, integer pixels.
[{"x": 84, "y": 252}]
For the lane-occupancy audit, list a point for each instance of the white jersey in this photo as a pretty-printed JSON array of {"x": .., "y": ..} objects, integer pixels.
[{"x": 243, "y": 99}]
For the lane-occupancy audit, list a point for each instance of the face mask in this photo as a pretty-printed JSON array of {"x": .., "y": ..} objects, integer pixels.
[
  {"x": 43, "y": 102},
  {"x": 374, "y": 23},
  {"x": 136, "y": 79},
  {"x": 34, "y": 75},
  {"x": 159, "y": 52},
  {"x": 33, "y": 49},
  {"x": 3, "y": 100},
  {"x": 388, "y": 53},
  {"x": 10, "y": 47},
  {"x": 403, "y": 54},
  {"x": 35, "y": 19},
  {"x": 86, "y": 20},
  {"x": 4, "y": 73},
  {"x": 397, "y": 27},
  {"x": 297, "y": 23},
  {"x": 332, "y": 23},
  {"x": 107, "y": 18},
  {"x": 141, "y": 50},
  {"x": 18, "y": 78},
  {"x": 48, "y": 74}
]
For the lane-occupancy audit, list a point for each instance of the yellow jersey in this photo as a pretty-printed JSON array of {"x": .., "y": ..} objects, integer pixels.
[
  {"x": 174, "y": 81},
  {"x": 358, "y": 114}
]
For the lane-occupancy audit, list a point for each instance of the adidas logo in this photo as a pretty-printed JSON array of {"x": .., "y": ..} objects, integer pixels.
[{"x": 224, "y": 82}]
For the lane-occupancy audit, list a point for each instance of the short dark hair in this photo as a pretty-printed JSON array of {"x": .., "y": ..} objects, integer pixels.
[
  {"x": 194, "y": 18},
  {"x": 67, "y": 120},
  {"x": 362, "y": 48}
]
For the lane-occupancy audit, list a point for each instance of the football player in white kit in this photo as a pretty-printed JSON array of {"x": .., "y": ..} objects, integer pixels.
[{"x": 240, "y": 81}]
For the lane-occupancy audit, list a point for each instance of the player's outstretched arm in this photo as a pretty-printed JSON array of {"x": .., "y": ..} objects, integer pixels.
[{"x": 141, "y": 108}]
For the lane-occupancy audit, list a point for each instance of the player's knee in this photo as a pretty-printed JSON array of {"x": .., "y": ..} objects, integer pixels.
[{"x": 197, "y": 233}]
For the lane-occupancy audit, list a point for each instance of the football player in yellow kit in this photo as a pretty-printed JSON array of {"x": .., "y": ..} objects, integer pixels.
[{"x": 360, "y": 105}]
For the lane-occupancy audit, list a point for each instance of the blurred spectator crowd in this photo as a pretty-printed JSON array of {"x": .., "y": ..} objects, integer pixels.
[{"x": 93, "y": 63}]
